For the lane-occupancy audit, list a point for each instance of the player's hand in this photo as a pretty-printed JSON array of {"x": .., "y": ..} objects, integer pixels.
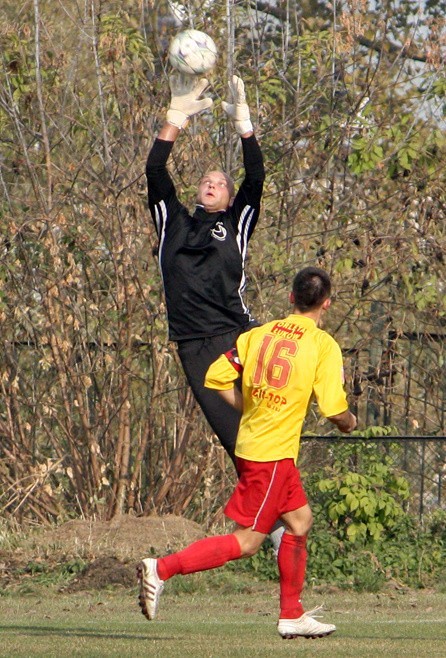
[
  {"x": 185, "y": 98},
  {"x": 237, "y": 107}
]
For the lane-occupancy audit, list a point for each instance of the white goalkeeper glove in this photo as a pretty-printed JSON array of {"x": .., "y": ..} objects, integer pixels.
[
  {"x": 185, "y": 93},
  {"x": 238, "y": 108}
]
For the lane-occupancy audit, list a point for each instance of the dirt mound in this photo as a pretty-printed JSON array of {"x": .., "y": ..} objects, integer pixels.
[
  {"x": 110, "y": 548},
  {"x": 102, "y": 573},
  {"x": 115, "y": 546},
  {"x": 124, "y": 537}
]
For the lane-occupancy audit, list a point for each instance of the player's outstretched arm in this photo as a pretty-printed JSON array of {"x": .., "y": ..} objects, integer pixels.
[
  {"x": 185, "y": 102},
  {"x": 237, "y": 108},
  {"x": 345, "y": 422}
]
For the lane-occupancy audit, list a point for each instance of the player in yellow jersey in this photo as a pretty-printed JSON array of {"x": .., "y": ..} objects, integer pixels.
[{"x": 283, "y": 364}]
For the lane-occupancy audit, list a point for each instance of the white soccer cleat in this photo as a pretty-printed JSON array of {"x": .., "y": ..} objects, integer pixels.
[
  {"x": 305, "y": 626},
  {"x": 150, "y": 587}
]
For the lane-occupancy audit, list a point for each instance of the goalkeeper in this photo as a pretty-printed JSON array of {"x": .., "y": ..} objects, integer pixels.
[{"x": 202, "y": 255}]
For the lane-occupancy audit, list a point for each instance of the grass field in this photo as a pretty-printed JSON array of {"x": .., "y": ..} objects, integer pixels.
[{"x": 219, "y": 625}]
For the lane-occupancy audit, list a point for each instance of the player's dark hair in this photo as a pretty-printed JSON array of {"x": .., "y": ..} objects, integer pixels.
[{"x": 311, "y": 287}]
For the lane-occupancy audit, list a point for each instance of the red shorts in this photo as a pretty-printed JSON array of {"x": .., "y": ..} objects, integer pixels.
[{"x": 264, "y": 492}]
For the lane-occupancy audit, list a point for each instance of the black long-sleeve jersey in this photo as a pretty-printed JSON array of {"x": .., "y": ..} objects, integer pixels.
[{"x": 202, "y": 257}]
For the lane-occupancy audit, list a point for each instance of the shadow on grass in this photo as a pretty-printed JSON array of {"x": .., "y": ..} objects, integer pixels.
[
  {"x": 78, "y": 632},
  {"x": 107, "y": 634}
]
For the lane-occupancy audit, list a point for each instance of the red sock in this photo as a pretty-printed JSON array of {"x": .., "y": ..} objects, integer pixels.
[
  {"x": 204, "y": 554},
  {"x": 292, "y": 562}
]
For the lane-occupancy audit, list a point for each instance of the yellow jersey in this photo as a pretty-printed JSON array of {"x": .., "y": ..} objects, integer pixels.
[{"x": 283, "y": 364}]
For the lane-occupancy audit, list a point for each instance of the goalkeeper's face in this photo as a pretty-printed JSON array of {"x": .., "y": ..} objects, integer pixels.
[{"x": 215, "y": 191}]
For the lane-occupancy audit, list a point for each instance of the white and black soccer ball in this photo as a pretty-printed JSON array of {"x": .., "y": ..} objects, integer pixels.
[{"x": 192, "y": 52}]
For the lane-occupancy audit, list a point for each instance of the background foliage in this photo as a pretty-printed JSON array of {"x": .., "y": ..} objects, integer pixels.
[{"x": 349, "y": 106}]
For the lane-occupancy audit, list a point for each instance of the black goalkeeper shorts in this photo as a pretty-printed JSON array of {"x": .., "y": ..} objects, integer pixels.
[{"x": 196, "y": 355}]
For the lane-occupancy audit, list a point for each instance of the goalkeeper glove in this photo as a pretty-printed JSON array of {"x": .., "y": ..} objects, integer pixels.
[
  {"x": 185, "y": 93},
  {"x": 237, "y": 108}
]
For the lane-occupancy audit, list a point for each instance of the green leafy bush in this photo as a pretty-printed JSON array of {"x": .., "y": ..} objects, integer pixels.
[{"x": 361, "y": 491}]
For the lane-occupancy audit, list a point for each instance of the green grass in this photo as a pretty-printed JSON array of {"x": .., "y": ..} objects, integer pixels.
[{"x": 219, "y": 625}]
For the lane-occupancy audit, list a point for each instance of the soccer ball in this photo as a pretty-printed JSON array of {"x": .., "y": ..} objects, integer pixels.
[{"x": 192, "y": 52}]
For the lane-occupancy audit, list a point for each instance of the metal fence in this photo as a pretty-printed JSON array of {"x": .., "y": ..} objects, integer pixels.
[
  {"x": 421, "y": 460},
  {"x": 399, "y": 379}
]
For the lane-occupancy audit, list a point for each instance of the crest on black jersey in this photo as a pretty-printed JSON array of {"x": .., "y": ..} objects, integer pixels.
[{"x": 219, "y": 232}]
